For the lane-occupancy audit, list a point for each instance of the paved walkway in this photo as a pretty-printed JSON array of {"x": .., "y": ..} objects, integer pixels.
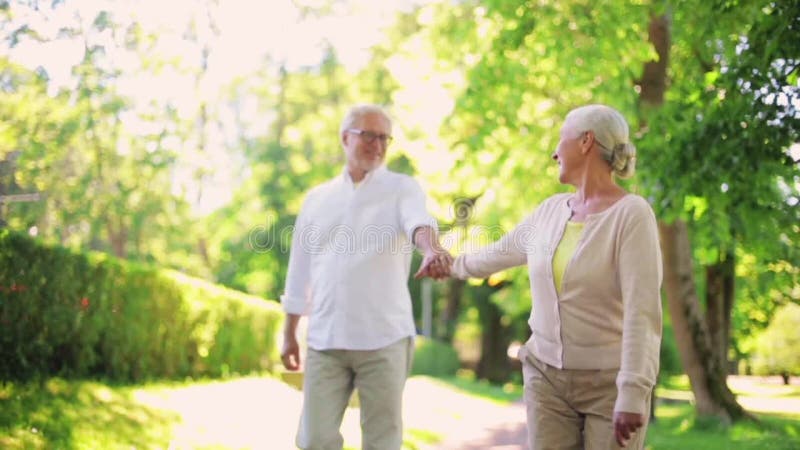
[{"x": 261, "y": 413}]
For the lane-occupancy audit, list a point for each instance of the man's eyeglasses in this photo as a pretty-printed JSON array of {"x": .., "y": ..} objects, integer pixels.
[{"x": 369, "y": 137}]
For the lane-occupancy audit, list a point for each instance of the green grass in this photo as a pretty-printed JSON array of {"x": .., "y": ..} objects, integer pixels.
[
  {"x": 466, "y": 383},
  {"x": 66, "y": 415},
  {"x": 677, "y": 429},
  {"x": 675, "y": 382}
]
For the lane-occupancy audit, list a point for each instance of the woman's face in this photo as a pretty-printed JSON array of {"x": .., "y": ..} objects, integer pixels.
[{"x": 568, "y": 153}]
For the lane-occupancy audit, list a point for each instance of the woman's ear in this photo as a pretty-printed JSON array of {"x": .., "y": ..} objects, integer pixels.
[{"x": 587, "y": 138}]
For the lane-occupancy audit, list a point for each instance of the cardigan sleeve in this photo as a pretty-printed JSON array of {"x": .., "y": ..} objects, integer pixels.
[
  {"x": 509, "y": 251},
  {"x": 640, "y": 276}
]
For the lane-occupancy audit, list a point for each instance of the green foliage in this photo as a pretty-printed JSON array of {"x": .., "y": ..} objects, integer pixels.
[
  {"x": 79, "y": 414},
  {"x": 104, "y": 164},
  {"x": 434, "y": 358},
  {"x": 75, "y": 315},
  {"x": 715, "y": 153},
  {"x": 778, "y": 349},
  {"x": 670, "y": 361}
]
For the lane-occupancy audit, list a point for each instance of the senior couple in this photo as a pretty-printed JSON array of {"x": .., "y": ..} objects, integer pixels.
[{"x": 594, "y": 262}]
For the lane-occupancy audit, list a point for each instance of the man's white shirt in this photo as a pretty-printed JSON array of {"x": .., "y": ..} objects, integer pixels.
[{"x": 351, "y": 257}]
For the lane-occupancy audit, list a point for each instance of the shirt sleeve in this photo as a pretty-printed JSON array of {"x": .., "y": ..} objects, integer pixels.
[
  {"x": 412, "y": 211},
  {"x": 297, "y": 294},
  {"x": 640, "y": 276},
  {"x": 509, "y": 251}
]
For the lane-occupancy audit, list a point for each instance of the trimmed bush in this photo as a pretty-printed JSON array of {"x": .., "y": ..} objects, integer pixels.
[
  {"x": 434, "y": 358},
  {"x": 77, "y": 315}
]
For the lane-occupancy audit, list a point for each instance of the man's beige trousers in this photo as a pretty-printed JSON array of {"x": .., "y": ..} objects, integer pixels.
[
  {"x": 378, "y": 375},
  {"x": 571, "y": 409}
]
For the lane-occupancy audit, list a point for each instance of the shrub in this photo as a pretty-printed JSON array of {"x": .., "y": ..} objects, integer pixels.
[
  {"x": 77, "y": 315},
  {"x": 434, "y": 358}
]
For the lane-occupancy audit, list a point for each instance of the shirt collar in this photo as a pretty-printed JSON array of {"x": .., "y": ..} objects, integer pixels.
[{"x": 380, "y": 170}]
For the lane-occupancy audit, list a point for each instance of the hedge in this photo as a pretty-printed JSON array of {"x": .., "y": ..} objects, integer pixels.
[
  {"x": 434, "y": 358},
  {"x": 77, "y": 315}
]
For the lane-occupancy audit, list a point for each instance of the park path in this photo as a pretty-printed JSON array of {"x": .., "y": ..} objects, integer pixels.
[{"x": 261, "y": 413}]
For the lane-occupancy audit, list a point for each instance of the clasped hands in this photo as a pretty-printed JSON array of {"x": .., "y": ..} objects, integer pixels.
[{"x": 435, "y": 264}]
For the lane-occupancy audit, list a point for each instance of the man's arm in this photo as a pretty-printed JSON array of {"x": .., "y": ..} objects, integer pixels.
[
  {"x": 290, "y": 354},
  {"x": 296, "y": 300},
  {"x": 436, "y": 261}
]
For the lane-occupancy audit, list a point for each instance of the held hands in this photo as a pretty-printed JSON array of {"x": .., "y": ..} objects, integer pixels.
[
  {"x": 625, "y": 424},
  {"x": 436, "y": 264}
]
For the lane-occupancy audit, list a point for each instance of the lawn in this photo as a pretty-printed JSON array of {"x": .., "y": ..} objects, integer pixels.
[{"x": 62, "y": 414}]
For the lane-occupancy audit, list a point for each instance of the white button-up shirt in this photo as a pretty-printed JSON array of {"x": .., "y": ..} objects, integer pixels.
[{"x": 350, "y": 260}]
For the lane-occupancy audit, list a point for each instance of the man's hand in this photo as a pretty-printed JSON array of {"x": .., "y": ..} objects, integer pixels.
[
  {"x": 437, "y": 260},
  {"x": 290, "y": 354},
  {"x": 625, "y": 424},
  {"x": 436, "y": 264}
]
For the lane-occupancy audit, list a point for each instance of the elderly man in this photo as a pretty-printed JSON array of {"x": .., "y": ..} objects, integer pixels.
[{"x": 348, "y": 271}]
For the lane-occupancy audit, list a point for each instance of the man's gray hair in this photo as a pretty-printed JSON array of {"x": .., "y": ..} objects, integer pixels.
[
  {"x": 611, "y": 133},
  {"x": 359, "y": 111}
]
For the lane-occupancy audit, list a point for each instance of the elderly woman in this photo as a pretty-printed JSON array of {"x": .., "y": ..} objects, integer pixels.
[{"x": 595, "y": 273}]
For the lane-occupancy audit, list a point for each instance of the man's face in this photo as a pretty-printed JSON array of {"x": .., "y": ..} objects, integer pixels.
[{"x": 362, "y": 154}]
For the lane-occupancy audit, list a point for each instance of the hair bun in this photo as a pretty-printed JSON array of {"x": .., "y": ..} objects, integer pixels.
[{"x": 624, "y": 160}]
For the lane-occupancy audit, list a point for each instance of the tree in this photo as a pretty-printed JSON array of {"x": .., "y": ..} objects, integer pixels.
[
  {"x": 102, "y": 161},
  {"x": 732, "y": 125},
  {"x": 690, "y": 83}
]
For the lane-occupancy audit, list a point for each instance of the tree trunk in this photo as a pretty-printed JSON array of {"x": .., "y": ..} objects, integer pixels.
[
  {"x": 708, "y": 378},
  {"x": 449, "y": 317},
  {"x": 719, "y": 303},
  {"x": 494, "y": 364},
  {"x": 202, "y": 249},
  {"x": 653, "y": 85},
  {"x": 699, "y": 354},
  {"x": 654, "y": 75},
  {"x": 118, "y": 237}
]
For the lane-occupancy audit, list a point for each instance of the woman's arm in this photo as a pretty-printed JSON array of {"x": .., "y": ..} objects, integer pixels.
[{"x": 508, "y": 251}]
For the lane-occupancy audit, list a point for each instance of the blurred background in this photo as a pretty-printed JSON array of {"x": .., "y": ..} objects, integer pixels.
[{"x": 180, "y": 137}]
